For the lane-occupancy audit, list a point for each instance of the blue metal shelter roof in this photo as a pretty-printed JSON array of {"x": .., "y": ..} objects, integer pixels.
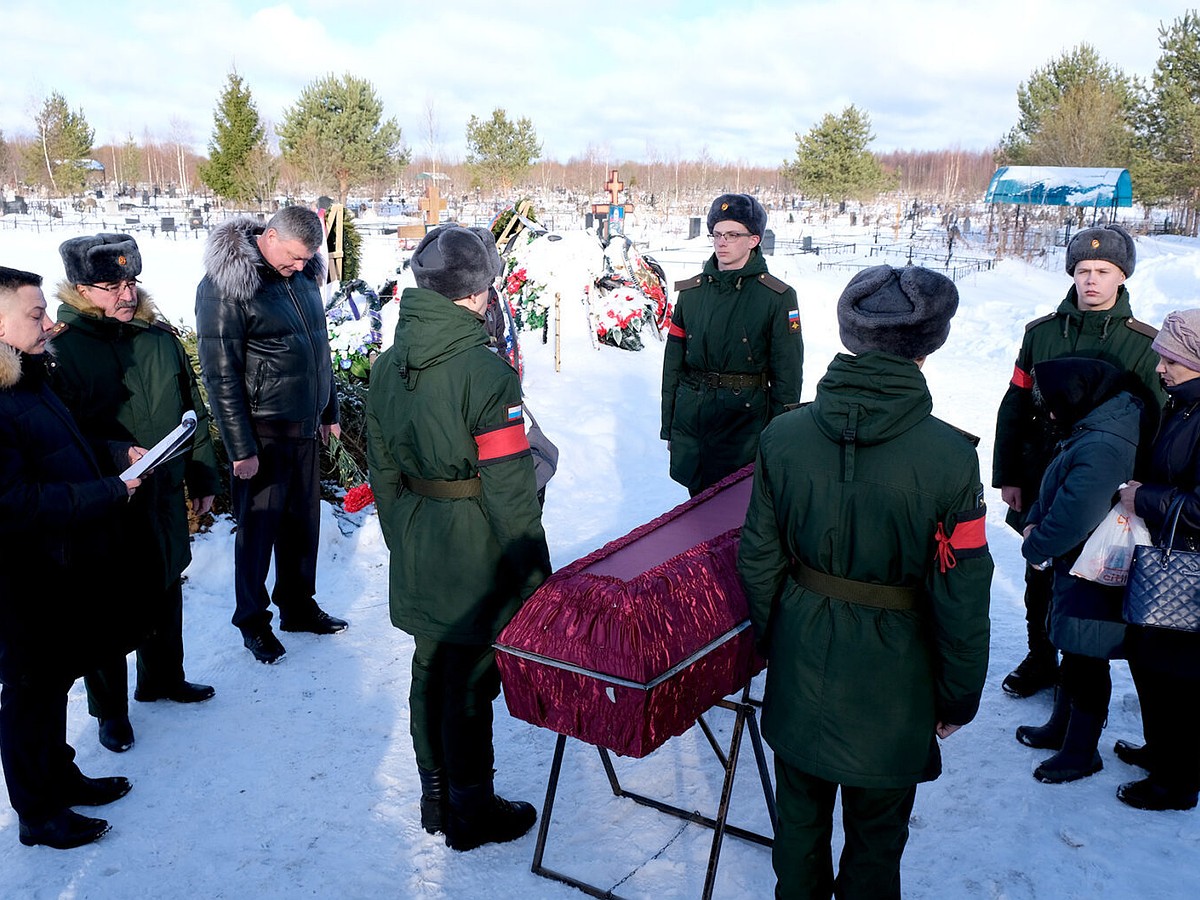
[{"x": 1061, "y": 186}]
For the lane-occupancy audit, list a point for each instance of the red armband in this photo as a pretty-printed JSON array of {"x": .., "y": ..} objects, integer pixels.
[
  {"x": 968, "y": 538},
  {"x": 1022, "y": 379},
  {"x": 507, "y": 441}
]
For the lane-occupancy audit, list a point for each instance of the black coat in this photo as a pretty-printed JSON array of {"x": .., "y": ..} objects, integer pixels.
[
  {"x": 59, "y": 613},
  {"x": 1174, "y": 470}
]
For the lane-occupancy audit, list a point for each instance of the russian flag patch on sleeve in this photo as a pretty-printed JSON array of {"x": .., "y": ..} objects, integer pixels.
[{"x": 514, "y": 413}]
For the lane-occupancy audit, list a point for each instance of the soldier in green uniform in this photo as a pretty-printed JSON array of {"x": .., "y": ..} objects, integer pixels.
[
  {"x": 867, "y": 571},
  {"x": 127, "y": 380},
  {"x": 734, "y": 354},
  {"x": 1093, "y": 320},
  {"x": 454, "y": 485}
]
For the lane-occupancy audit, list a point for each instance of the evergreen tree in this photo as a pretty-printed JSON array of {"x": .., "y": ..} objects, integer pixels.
[
  {"x": 832, "y": 160},
  {"x": 336, "y": 134},
  {"x": 237, "y": 146},
  {"x": 500, "y": 152},
  {"x": 64, "y": 141},
  {"x": 1077, "y": 92},
  {"x": 1168, "y": 164}
]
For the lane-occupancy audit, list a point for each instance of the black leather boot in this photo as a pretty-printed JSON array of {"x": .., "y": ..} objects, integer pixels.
[
  {"x": 1078, "y": 757},
  {"x": 434, "y": 800},
  {"x": 1037, "y": 671},
  {"x": 1049, "y": 736},
  {"x": 478, "y": 816}
]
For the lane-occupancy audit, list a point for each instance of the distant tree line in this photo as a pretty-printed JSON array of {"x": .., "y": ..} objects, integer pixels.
[{"x": 1077, "y": 110}]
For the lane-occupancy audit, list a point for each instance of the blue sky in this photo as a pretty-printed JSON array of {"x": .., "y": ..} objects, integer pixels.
[{"x": 639, "y": 80}]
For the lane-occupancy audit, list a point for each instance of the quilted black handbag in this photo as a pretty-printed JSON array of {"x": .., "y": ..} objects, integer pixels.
[{"x": 1164, "y": 583}]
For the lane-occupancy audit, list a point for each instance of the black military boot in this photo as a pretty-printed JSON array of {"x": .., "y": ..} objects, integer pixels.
[
  {"x": 1049, "y": 736},
  {"x": 478, "y": 816},
  {"x": 1037, "y": 671},
  {"x": 434, "y": 801},
  {"x": 1078, "y": 757}
]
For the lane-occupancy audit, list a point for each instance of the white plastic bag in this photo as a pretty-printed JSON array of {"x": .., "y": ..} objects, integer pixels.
[{"x": 1108, "y": 553}]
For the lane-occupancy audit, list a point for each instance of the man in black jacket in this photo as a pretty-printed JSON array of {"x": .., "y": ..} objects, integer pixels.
[
  {"x": 56, "y": 511},
  {"x": 264, "y": 354}
]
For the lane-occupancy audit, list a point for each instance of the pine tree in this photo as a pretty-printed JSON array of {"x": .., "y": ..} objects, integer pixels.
[
  {"x": 832, "y": 160},
  {"x": 1168, "y": 164},
  {"x": 237, "y": 146},
  {"x": 64, "y": 141},
  {"x": 336, "y": 135},
  {"x": 500, "y": 152},
  {"x": 1080, "y": 93}
]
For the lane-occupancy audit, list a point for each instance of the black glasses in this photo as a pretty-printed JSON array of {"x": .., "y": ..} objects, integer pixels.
[
  {"x": 116, "y": 287},
  {"x": 718, "y": 236}
]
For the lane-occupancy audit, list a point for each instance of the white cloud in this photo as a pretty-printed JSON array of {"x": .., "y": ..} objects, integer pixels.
[{"x": 739, "y": 79}]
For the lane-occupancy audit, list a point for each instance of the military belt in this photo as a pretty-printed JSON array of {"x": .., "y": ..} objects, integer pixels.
[
  {"x": 879, "y": 596},
  {"x": 443, "y": 490},
  {"x": 737, "y": 381}
]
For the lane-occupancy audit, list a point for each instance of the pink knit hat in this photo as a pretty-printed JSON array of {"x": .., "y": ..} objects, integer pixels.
[{"x": 1179, "y": 338}]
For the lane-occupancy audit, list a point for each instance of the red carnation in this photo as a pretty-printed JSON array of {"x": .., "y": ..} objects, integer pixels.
[{"x": 358, "y": 498}]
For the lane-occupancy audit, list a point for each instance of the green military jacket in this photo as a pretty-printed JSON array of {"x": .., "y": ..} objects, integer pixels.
[
  {"x": 444, "y": 408},
  {"x": 129, "y": 384},
  {"x": 743, "y": 322},
  {"x": 1025, "y": 439},
  {"x": 865, "y": 485}
]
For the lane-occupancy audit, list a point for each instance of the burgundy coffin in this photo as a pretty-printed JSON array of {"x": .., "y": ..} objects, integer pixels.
[{"x": 629, "y": 645}]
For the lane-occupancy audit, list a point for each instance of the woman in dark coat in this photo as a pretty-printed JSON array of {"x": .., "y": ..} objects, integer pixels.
[
  {"x": 1166, "y": 664},
  {"x": 1100, "y": 420}
]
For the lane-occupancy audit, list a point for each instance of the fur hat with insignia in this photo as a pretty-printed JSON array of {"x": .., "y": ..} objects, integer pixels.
[
  {"x": 1111, "y": 243},
  {"x": 740, "y": 208},
  {"x": 456, "y": 262},
  {"x": 904, "y": 311},
  {"x": 101, "y": 258}
]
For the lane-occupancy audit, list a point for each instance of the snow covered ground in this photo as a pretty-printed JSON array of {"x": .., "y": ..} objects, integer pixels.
[{"x": 298, "y": 779}]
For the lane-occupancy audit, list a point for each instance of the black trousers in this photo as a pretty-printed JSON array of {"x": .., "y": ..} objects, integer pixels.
[
  {"x": 1087, "y": 682},
  {"x": 38, "y": 762},
  {"x": 875, "y": 822},
  {"x": 278, "y": 514},
  {"x": 1039, "y": 588},
  {"x": 1171, "y": 724},
  {"x": 159, "y": 661},
  {"x": 450, "y": 708}
]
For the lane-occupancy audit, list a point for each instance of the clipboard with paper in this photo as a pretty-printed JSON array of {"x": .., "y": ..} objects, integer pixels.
[{"x": 169, "y": 447}]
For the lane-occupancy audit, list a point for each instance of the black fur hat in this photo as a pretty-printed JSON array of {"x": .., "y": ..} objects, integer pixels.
[
  {"x": 101, "y": 258},
  {"x": 1111, "y": 243},
  {"x": 902, "y": 311},
  {"x": 456, "y": 262},
  {"x": 740, "y": 208}
]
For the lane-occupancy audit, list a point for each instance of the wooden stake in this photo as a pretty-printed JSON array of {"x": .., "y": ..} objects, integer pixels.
[{"x": 557, "y": 332}]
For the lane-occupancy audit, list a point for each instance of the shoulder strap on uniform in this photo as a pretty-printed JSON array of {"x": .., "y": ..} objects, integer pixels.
[
  {"x": 972, "y": 439},
  {"x": 166, "y": 326},
  {"x": 688, "y": 283},
  {"x": 1141, "y": 328},
  {"x": 779, "y": 287},
  {"x": 1036, "y": 322}
]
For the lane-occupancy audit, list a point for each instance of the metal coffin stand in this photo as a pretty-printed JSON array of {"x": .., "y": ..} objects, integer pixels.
[{"x": 745, "y": 719}]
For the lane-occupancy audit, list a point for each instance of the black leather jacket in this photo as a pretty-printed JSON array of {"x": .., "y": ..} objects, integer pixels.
[{"x": 263, "y": 344}]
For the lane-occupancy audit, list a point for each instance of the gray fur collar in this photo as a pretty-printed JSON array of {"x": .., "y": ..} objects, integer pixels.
[{"x": 235, "y": 264}]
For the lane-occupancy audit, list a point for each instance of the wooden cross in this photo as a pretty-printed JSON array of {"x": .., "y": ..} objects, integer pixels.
[
  {"x": 613, "y": 186},
  {"x": 432, "y": 204}
]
